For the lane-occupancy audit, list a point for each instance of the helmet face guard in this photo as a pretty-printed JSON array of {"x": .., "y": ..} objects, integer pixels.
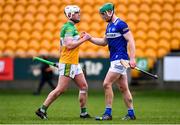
[
  {"x": 107, "y": 16},
  {"x": 70, "y": 10},
  {"x": 107, "y": 11}
]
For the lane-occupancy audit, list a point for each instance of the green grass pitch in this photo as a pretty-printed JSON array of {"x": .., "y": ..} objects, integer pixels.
[{"x": 150, "y": 106}]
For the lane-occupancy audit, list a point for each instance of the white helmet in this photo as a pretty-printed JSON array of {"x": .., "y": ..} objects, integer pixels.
[{"x": 70, "y": 10}]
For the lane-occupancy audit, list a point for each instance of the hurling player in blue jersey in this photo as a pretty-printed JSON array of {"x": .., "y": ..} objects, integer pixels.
[{"x": 117, "y": 37}]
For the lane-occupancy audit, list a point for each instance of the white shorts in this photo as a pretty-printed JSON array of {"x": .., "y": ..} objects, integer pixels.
[
  {"x": 117, "y": 67},
  {"x": 70, "y": 70}
]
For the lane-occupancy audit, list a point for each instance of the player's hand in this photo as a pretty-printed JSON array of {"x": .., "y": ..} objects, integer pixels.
[
  {"x": 85, "y": 36},
  {"x": 82, "y": 34},
  {"x": 132, "y": 63}
]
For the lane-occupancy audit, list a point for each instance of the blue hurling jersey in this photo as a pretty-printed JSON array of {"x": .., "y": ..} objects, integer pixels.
[{"x": 116, "y": 42}]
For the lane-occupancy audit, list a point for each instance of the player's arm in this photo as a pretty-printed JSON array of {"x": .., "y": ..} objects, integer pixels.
[
  {"x": 124, "y": 29},
  {"x": 99, "y": 41},
  {"x": 71, "y": 44},
  {"x": 129, "y": 37}
]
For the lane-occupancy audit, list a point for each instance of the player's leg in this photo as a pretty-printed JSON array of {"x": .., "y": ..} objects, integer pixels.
[
  {"x": 110, "y": 78},
  {"x": 61, "y": 87},
  {"x": 64, "y": 78},
  {"x": 83, "y": 87},
  {"x": 83, "y": 91},
  {"x": 127, "y": 97}
]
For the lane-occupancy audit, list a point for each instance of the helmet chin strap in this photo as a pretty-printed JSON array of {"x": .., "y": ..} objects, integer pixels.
[
  {"x": 75, "y": 21},
  {"x": 111, "y": 15}
]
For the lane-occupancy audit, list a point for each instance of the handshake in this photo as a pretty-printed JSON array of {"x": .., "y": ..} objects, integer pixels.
[{"x": 85, "y": 36}]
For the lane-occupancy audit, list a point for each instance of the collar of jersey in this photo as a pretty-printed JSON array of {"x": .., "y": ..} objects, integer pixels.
[
  {"x": 115, "y": 20},
  {"x": 70, "y": 23}
]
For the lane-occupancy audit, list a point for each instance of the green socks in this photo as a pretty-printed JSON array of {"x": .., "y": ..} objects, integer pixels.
[
  {"x": 43, "y": 108},
  {"x": 83, "y": 111}
]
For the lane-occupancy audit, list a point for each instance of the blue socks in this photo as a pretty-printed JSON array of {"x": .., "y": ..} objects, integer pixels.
[
  {"x": 130, "y": 112},
  {"x": 108, "y": 111}
]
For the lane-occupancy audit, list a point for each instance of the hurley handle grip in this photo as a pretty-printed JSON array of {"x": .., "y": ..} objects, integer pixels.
[{"x": 45, "y": 61}]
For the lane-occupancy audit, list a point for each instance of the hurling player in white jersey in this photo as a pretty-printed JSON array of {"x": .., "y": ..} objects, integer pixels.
[{"x": 117, "y": 37}]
